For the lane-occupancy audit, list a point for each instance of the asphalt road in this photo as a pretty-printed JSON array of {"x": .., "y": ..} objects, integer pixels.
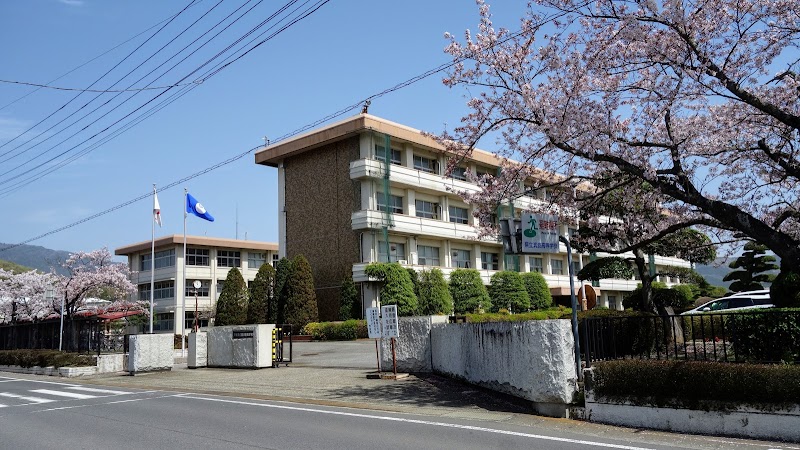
[{"x": 41, "y": 413}]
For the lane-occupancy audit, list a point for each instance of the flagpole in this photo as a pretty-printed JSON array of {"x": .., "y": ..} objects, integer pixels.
[
  {"x": 152, "y": 263},
  {"x": 183, "y": 291}
]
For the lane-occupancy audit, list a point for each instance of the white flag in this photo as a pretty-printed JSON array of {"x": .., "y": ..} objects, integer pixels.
[{"x": 156, "y": 209}]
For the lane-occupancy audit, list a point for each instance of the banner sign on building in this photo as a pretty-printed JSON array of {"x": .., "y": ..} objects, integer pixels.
[
  {"x": 373, "y": 323},
  {"x": 539, "y": 233},
  {"x": 389, "y": 321}
]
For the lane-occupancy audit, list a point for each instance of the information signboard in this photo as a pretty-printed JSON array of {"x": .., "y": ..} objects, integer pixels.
[
  {"x": 373, "y": 323},
  {"x": 539, "y": 233},
  {"x": 389, "y": 321}
]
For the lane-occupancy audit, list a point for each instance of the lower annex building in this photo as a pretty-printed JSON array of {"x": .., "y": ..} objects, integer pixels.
[
  {"x": 207, "y": 259},
  {"x": 333, "y": 209}
]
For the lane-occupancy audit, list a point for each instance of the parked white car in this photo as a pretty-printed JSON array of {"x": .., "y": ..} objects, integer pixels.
[{"x": 736, "y": 302}]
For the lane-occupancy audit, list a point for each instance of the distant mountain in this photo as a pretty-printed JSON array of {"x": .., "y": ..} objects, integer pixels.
[{"x": 35, "y": 257}]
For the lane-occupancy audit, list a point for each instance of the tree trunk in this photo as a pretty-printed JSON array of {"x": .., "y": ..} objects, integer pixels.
[{"x": 647, "y": 283}]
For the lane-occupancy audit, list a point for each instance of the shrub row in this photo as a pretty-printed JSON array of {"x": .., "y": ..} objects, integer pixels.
[
  {"x": 336, "y": 331},
  {"x": 552, "y": 313},
  {"x": 44, "y": 358},
  {"x": 696, "y": 384}
]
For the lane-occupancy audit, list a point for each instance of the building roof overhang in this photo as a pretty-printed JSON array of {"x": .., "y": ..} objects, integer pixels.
[{"x": 177, "y": 239}]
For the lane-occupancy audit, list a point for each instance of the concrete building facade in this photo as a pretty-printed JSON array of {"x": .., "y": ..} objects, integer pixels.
[
  {"x": 207, "y": 259},
  {"x": 334, "y": 211}
]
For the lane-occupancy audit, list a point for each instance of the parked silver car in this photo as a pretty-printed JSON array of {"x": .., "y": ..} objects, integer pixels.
[{"x": 735, "y": 302}]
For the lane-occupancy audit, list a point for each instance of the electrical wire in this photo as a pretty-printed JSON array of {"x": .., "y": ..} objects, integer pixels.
[
  {"x": 194, "y": 3},
  {"x": 288, "y": 135},
  {"x": 38, "y": 176},
  {"x": 101, "y": 91}
]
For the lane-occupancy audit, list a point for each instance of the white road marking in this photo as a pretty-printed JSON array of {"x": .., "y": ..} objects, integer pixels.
[
  {"x": 106, "y": 403},
  {"x": 26, "y": 398},
  {"x": 39, "y": 381},
  {"x": 63, "y": 394},
  {"x": 98, "y": 391},
  {"x": 419, "y": 422}
]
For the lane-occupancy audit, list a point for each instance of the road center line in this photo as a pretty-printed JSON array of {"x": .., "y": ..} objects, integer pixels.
[{"x": 416, "y": 421}]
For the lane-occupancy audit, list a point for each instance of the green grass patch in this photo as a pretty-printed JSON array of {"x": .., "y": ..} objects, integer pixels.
[{"x": 545, "y": 314}]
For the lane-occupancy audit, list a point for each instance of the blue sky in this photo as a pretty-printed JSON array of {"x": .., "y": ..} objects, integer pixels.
[{"x": 344, "y": 52}]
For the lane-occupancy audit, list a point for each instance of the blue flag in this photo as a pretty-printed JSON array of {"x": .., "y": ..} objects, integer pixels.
[{"x": 194, "y": 207}]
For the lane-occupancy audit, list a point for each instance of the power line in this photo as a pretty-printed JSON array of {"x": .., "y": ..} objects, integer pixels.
[
  {"x": 101, "y": 91},
  {"x": 98, "y": 80},
  {"x": 38, "y": 176},
  {"x": 194, "y": 3},
  {"x": 300, "y": 130}
]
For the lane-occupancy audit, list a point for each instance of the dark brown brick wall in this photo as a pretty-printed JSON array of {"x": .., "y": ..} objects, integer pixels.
[{"x": 320, "y": 197}]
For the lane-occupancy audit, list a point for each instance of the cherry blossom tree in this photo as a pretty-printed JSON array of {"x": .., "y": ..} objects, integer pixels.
[
  {"x": 87, "y": 273},
  {"x": 24, "y": 295},
  {"x": 698, "y": 100}
]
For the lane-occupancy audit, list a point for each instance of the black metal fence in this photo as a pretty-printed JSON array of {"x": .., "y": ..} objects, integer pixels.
[
  {"x": 85, "y": 336},
  {"x": 755, "y": 337}
]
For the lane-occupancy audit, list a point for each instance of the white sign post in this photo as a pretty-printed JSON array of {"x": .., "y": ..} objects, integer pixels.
[
  {"x": 391, "y": 330},
  {"x": 539, "y": 233},
  {"x": 374, "y": 331}
]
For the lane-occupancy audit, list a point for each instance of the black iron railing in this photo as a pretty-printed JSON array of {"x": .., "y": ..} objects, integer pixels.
[{"x": 761, "y": 336}]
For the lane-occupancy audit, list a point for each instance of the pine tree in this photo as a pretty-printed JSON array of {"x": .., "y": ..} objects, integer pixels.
[
  {"x": 301, "y": 298},
  {"x": 507, "y": 290},
  {"x": 231, "y": 308},
  {"x": 434, "y": 297},
  {"x": 261, "y": 298},
  {"x": 282, "y": 272},
  {"x": 537, "y": 289},
  {"x": 468, "y": 291},
  {"x": 348, "y": 300},
  {"x": 753, "y": 263}
]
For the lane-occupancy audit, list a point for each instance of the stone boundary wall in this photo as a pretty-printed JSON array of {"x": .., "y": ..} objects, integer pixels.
[
  {"x": 150, "y": 352},
  {"x": 533, "y": 360},
  {"x": 241, "y": 346},
  {"x": 105, "y": 364}
]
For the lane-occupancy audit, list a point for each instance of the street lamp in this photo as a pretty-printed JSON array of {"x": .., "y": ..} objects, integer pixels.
[{"x": 197, "y": 284}]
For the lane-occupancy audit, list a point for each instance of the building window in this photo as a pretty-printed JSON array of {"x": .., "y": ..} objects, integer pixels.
[
  {"x": 425, "y": 164},
  {"x": 427, "y": 255},
  {"x": 197, "y": 257},
  {"x": 395, "y": 203},
  {"x": 380, "y": 155},
  {"x": 576, "y": 267},
  {"x": 163, "y": 322},
  {"x": 229, "y": 258},
  {"x": 397, "y": 251},
  {"x": 571, "y": 232},
  {"x": 201, "y": 321},
  {"x": 275, "y": 259},
  {"x": 459, "y": 173},
  {"x": 165, "y": 258},
  {"x": 427, "y": 210},
  {"x": 205, "y": 285},
  {"x": 163, "y": 289},
  {"x": 461, "y": 259},
  {"x": 612, "y": 302},
  {"x": 255, "y": 260},
  {"x": 536, "y": 264},
  {"x": 458, "y": 215},
  {"x": 556, "y": 267},
  {"x": 490, "y": 261}
]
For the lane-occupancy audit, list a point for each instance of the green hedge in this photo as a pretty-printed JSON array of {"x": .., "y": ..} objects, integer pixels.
[
  {"x": 696, "y": 384},
  {"x": 767, "y": 336},
  {"x": 44, "y": 358},
  {"x": 336, "y": 331},
  {"x": 552, "y": 313}
]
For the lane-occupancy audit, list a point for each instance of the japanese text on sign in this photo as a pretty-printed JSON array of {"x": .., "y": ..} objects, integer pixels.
[
  {"x": 539, "y": 233},
  {"x": 373, "y": 323},
  {"x": 389, "y": 321}
]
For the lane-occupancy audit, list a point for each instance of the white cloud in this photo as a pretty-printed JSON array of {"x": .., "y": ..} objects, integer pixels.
[
  {"x": 10, "y": 128},
  {"x": 72, "y": 2}
]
